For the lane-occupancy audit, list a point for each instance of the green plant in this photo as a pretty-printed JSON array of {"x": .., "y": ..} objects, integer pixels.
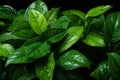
[{"x": 42, "y": 44}]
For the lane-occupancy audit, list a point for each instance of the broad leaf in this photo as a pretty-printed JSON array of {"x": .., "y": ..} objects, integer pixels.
[
  {"x": 53, "y": 35},
  {"x": 73, "y": 35},
  {"x": 44, "y": 70},
  {"x": 72, "y": 59},
  {"x": 102, "y": 72},
  {"x": 111, "y": 26},
  {"x": 6, "y": 50},
  {"x": 37, "y": 21},
  {"x": 78, "y": 13},
  {"x": 38, "y": 5},
  {"x": 62, "y": 22},
  {"x": 94, "y": 39},
  {"x": 114, "y": 64},
  {"x": 7, "y": 12},
  {"x": 98, "y": 10},
  {"x": 27, "y": 54}
]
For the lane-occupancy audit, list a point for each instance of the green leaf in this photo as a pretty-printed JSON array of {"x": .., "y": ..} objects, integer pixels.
[
  {"x": 102, "y": 71},
  {"x": 114, "y": 64},
  {"x": 6, "y": 50},
  {"x": 8, "y": 36},
  {"x": 27, "y": 54},
  {"x": 38, "y": 5},
  {"x": 94, "y": 39},
  {"x": 7, "y": 12},
  {"x": 44, "y": 70},
  {"x": 98, "y": 10},
  {"x": 2, "y": 23},
  {"x": 37, "y": 21},
  {"x": 78, "y": 13},
  {"x": 72, "y": 59},
  {"x": 54, "y": 35},
  {"x": 73, "y": 35},
  {"x": 18, "y": 24},
  {"x": 51, "y": 16},
  {"x": 62, "y": 22},
  {"x": 111, "y": 26}
]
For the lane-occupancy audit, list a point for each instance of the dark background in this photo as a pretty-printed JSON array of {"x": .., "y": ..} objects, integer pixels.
[{"x": 83, "y": 5}]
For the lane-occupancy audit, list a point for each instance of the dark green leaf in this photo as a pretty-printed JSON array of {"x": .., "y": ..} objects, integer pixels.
[
  {"x": 37, "y": 21},
  {"x": 98, "y": 10},
  {"x": 7, "y": 12},
  {"x": 114, "y": 64},
  {"x": 67, "y": 75},
  {"x": 62, "y": 22},
  {"x": 54, "y": 35},
  {"x": 6, "y": 50},
  {"x": 111, "y": 27},
  {"x": 27, "y": 54},
  {"x": 78, "y": 13},
  {"x": 94, "y": 39},
  {"x": 72, "y": 59},
  {"x": 102, "y": 72},
  {"x": 73, "y": 35},
  {"x": 8, "y": 36},
  {"x": 45, "y": 70}
]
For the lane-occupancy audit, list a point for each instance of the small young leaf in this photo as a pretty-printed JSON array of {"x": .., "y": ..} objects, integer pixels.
[
  {"x": 6, "y": 50},
  {"x": 51, "y": 16},
  {"x": 72, "y": 59},
  {"x": 114, "y": 64},
  {"x": 45, "y": 70},
  {"x": 94, "y": 39},
  {"x": 102, "y": 71},
  {"x": 26, "y": 54},
  {"x": 37, "y": 21},
  {"x": 98, "y": 10},
  {"x": 73, "y": 35}
]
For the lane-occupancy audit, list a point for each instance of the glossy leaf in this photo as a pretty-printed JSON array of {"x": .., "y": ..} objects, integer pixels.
[
  {"x": 44, "y": 70},
  {"x": 78, "y": 13},
  {"x": 7, "y": 12},
  {"x": 38, "y": 5},
  {"x": 111, "y": 26},
  {"x": 6, "y": 50},
  {"x": 51, "y": 16},
  {"x": 62, "y": 22},
  {"x": 37, "y": 21},
  {"x": 94, "y": 39},
  {"x": 102, "y": 71},
  {"x": 73, "y": 35},
  {"x": 27, "y": 54},
  {"x": 2, "y": 23},
  {"x": 98, "y": 10},
  {"x": 72, "y": 59},
  {"x": 114, "y": 64}
]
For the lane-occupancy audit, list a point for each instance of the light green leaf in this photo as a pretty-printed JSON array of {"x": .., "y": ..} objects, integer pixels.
[
  {"x": 98, "y": 10},
  {"x": 37, "y": 21}
]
